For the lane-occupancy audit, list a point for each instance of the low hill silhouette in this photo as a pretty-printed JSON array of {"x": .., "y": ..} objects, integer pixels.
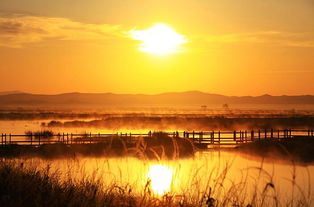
[{"x": 190, "y": 98}]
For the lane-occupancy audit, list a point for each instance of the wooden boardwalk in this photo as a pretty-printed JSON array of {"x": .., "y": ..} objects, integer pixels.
[{"x": 203, "y": 139}]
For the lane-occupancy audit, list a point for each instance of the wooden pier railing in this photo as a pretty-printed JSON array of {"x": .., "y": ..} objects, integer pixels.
[{"x": 205, "y": 138}]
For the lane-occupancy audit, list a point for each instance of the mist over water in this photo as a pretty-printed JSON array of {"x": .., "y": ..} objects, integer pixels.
[{"x": 238, "y": 174}]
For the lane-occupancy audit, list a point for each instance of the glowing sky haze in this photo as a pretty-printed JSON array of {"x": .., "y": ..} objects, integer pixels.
[{"x": 245, "y": 47}]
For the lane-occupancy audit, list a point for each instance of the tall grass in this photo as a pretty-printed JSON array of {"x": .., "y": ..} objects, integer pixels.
[
  {"x": 196, "y": 182},
  {"x": 22, "y": 186},
  {"x": 27, "y": 183}
]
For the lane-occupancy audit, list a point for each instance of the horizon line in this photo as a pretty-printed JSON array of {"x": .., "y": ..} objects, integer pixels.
[{"x": 11, "y": 92}]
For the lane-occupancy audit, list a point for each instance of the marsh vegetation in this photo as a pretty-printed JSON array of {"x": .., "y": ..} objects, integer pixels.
[
  {"x": 207, "y": 180},
  {"x": 154, "y": 171}
]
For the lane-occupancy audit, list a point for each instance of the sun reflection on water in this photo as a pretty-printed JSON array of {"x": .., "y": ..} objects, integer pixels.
[{"x": 161, "y": 178}]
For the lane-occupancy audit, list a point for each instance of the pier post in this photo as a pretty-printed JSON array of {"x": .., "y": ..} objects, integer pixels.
[
  {"x": 240, "y": 140},
  {"x": 219, "y": 138},
  {"x": 265, "y": 133},
  {"x": 201, "y": 136},
  {"x": 235, "y": 136},
  {"x": 245, "y": 136},
  {"x": 271, "y": 133},
  {"x": 259, "y": 134},
  {"x": 278, "y": 134},
  {"x": 252, "y": 135},
  {"x": 212, "y": 137}
]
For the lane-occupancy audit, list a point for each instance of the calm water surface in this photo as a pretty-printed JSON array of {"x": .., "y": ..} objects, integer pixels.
[
  {"x": 224, "y": 172},
  {"x": 232, "y": 172}
]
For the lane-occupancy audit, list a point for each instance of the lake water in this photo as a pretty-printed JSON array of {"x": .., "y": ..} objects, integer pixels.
[{"x": 224, "y": 172}]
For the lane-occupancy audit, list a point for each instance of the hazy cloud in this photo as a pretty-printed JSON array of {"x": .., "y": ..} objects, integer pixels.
[
  {"x": 266, "y": 37},
  {"x": 18, "y": 30}
]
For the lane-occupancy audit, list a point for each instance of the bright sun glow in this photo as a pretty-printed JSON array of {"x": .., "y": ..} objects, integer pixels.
[
  {"x": 160, "y": 39},
  {"x": 161, "y": 178}
]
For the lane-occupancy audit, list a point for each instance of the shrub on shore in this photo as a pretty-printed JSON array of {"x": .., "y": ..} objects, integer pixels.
[
  {"x": 41, "y": 134},
  {"x": 299, "y": 149}
]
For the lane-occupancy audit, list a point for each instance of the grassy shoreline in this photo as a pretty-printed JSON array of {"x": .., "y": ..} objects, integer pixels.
[
  {"x": 158, "y": 146},
  {"x": 299, "y": 149},
  {"x": 25, "y": 185},
  {"x": 161, "y": 146}
]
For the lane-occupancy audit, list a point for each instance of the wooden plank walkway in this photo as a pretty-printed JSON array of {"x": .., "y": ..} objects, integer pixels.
[{"x": 200, "y": 138}]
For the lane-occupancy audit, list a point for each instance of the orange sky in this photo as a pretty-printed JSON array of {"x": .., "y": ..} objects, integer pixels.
[{"x": 250, "y": 47}]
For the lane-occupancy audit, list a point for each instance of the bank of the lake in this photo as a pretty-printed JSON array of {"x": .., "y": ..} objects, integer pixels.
[{"x": 297, "y": 149}]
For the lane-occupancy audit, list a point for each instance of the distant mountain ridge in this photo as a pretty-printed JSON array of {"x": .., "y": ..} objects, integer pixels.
[
  {"x": 192, "y": 98},
  {"x": 9, "y": 92}
]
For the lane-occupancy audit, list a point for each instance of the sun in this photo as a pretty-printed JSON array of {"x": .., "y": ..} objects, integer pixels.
[
  {"x": 161, "y": 178},
  {"x": 159, "y": 39}
]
